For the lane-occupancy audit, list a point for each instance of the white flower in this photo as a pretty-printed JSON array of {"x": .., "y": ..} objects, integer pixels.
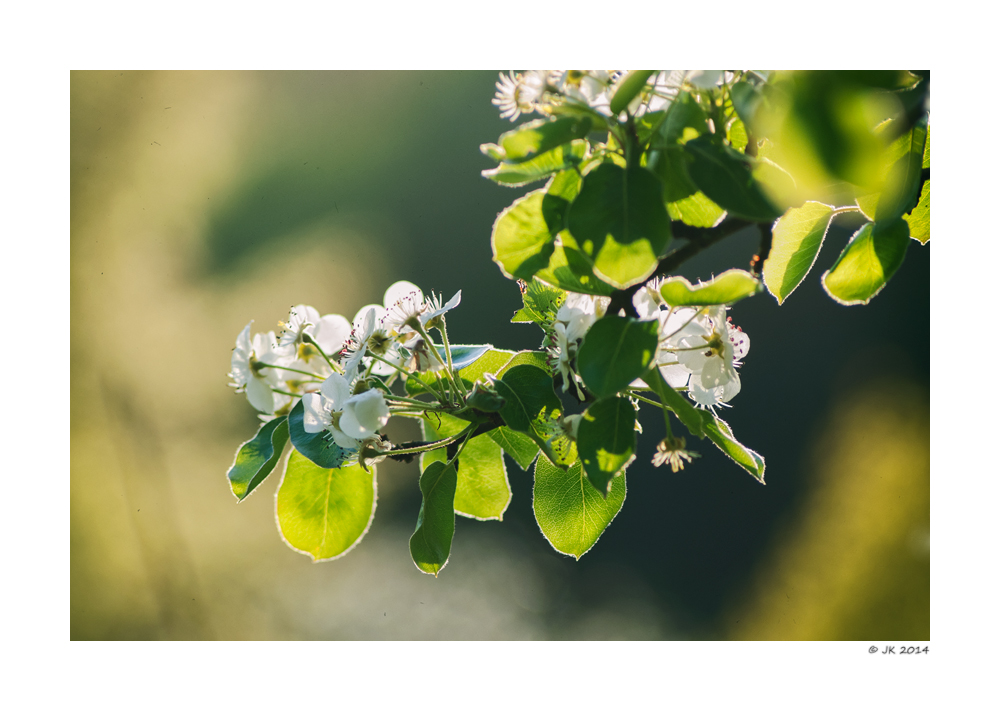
[
  {"x": 712, "y": 359},
  {"x": 330, "y": 332},
  {"x": 434, "y": 309},
  {"x": 704, "y": 78},
  {"x": 247, "y": 372},
  {"x": 520, "y": 93},
  {"x": 349, "y": 419},
  {"x": 574, "y": 318}
]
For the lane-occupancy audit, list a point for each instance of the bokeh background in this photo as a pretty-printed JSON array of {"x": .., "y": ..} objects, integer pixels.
[{"x": 202, "y": 200}]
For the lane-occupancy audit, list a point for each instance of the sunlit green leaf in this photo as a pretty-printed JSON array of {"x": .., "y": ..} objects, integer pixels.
[
  {"x": 737, "y": 135},
  {"x": 543, "y": 165},
  {"x": 532, "y": 407},
  {"x": 606, "y": 440},
  {"x": 538, "y": 359},
  {"x": 319, "y": 448},
  {"x": 903, "y": 160},
  {"x": 615, "y": 352},
  {"x": 796, "y": 240},
  {"x": 482, "y": 490},
  {"x": 524, "y": 234},
  {"x": 685, "y": 120},
  {"x": 536, "y": 137},
  {"x": 619, "y": 222},
  {"x": 722, "y": 436},
  {"x": 518, "y": 445},
  {"x": 920, "y": 219},
  {"x": 541, "y": 303},
  {"x": 926, "y": 163},
  {"x": 727, "y": 288},
  {"x": 257, "y": 457},
  {"x": 723, "y": 174},
  {"x": 325, "y": 512},
  {"x": 669, "y": 164},
  {"x": 696, "y": 210},
  {"x": 430, "y": 544},
  {"x": 569, "y": 269},
  {"x": 571, "y": 513},
  {"x": 868, "y": 261}
]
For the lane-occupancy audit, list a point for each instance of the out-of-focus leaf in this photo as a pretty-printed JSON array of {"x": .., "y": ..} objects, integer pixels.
[
  {"x": 724, "y": 175},
  {"x": 628, "y": 89}
]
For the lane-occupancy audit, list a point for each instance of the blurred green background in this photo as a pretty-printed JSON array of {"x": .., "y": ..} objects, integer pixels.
[{"x": 202, "y": 200}]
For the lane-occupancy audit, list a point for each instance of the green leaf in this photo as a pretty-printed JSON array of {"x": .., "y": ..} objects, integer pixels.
[
  {"x": 430, "y": 544},
  {"x": 615, "y": 352},
  {"x": 538, "y": 359},
  {"x": 905, "y": 157},
  {"x": 648, "y": 124},
  {"x": 490, "y": 362},
  {"x": 482, "y": 491},
  {"x": 920, "y": 219},
  {"x": 685, "y": 120},
  {"x": 795, "y": 243},
  {"x": 519, "y": 446},
  {"x": 536, "y": 137},
  {"x": 926, "y": 163},
  {"x": 727, "y": 288},
  {"x": 515, "y": 175},
  {"x": 606, "y": 440},
  {"x": 318, "y": 448},
  {"x": 687, "y": 413},
  {"x": 868, "y": 261},
  {"x": 628, "y": 89},
  {"x": 736, "y": 134},
  {"x": 541, "y": 303},
  {"x": 571, "y": 513},
  {"x": 256, "y": 457},
  {"x": 745, "y": 100},
  {"x": 532, "y": 407},
  {"x": 723, "y": 174},
  {"x": 619, "y": 222},
  {"x": 722, "y": 436},
  {"x": 325, "y": 512},
  {"x": 524, "y": 234},
  {"x": 669, "y": 164},
  {"x": 696, "y": 210},
  {"x": 569, "y": 269}
]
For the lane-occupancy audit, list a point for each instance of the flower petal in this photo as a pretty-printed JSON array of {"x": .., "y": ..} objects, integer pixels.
[
  {"x": 260, "y": 396},
  {"x": 336, "y": 390},
  {"x": 316, "y": 417},
  {"x": 331, "y": 333},
  {"x": 400, "y": 290},
  {"x": 364, "y": 414}
]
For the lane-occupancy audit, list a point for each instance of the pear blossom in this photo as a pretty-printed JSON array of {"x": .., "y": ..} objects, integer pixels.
[
  {"x": 520, "y": 93},
  {"x": 249, "y": 375},
  {"x": 713, "y": 358},
  {"x": 350, "y": 419},
  {"x": 574, "y": 318}
]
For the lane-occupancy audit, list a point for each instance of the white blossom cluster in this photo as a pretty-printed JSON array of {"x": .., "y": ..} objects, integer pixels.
[
  {"x": 699, "y": 349},
  {"x": 539, "y": 90},
  {"x": 328, "y": 362}
]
